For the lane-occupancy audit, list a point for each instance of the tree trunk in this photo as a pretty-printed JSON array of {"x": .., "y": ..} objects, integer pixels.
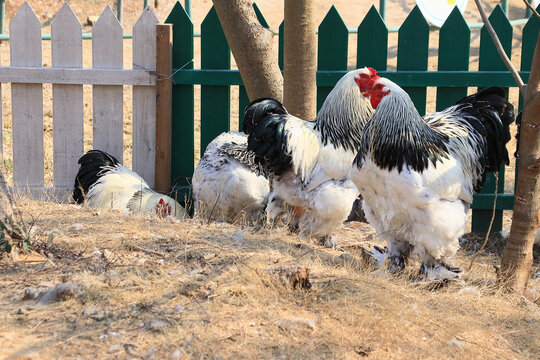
[
  {"x": 252, "y": 47},
  {"x": 300, "y": 59},
  {"x": 517, "y": 257}
]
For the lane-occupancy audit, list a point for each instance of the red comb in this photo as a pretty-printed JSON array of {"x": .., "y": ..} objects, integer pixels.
[{"x": 372, "y": 71}]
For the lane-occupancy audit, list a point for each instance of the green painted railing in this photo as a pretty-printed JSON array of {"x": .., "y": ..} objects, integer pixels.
[{"x": 451, "y": 80}]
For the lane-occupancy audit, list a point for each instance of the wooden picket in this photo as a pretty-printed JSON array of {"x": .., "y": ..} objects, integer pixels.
[
  {"x": 413, "y": 46},
  {"x": 27, "y": 101},
  {"x": 215, "y": 99},
  {"x": 107, "y": 45},
  {"x": 454, "y": 48},
  {"x": 333, "y": 48},
  {"x": 372, "y": 50},
  {"x": 67, "y": 77},
  {"x": 490, "y": 60},
  {"x": 144, "y": 99},
  {"x": 183, "y": 108},
  {"x": 68, "y": 135}
]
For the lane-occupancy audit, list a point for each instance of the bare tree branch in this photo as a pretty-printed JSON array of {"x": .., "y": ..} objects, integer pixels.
[
  {"x": 528, "y": 4},
  {"x": 519, "y": 82}
]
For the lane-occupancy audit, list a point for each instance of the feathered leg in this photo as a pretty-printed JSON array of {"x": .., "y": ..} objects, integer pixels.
[
  {"x": 395, "y": 257},
  {"x": 398, "y": 255},
  {"x": 433, "y": 269},
  {"x": 328, "y": 241}
]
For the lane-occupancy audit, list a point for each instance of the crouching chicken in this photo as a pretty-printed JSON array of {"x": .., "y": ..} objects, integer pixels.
[{"x": 103, "y": 182}]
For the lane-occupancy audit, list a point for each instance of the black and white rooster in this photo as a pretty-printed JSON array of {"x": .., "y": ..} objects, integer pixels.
[
  {"x": 103, "y": 182},
  {"x": 417, "y": 175},
  {"x": 310, "y": 160},
  {"x": 228, "y": 181}
]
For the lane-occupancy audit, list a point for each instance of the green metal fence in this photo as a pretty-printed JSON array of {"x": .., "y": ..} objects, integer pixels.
[{"x": 452, "y": 78}]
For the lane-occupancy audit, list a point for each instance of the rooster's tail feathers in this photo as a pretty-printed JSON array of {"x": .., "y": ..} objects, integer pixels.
[
  {"x": 264, "y": 123},
  {"x": 92, "y": 163},
  {"x": 258, "y": 109},
  {"x": 490, "y": 107}
]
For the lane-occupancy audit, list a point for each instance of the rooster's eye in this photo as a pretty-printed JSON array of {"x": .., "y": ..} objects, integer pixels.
[{"x": 364, "y": 76}]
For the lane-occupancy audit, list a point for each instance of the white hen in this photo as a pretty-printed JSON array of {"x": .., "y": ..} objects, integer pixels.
[
  {"x": 227, "y": 182},
  {"x": 103, "y": 182}
]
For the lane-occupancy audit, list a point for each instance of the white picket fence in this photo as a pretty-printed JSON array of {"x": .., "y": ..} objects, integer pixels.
[{"x": 67, "y": 76}]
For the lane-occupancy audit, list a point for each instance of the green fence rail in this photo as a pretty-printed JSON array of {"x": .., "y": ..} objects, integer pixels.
[{"x": 451, "y": 80}]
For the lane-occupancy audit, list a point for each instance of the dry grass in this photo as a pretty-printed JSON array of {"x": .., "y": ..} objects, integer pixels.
[{"x": 230, "y": 305}]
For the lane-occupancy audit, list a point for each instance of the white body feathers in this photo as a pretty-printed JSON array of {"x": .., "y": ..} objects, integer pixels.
[
  {"x": 319, "y": 179},
  {"x": 225, "y": 186},
  {"x": 423, "y": 209},
  {"x": 120, "y": 188}
]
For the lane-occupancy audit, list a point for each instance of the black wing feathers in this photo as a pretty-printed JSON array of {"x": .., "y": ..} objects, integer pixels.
[
  {"x": 494, "y": 115},
  {"x": 264, "y": 122},
  {"x": 90, "y": 171}
]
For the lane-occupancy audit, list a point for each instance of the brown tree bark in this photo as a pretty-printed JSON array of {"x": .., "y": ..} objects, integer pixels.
[
  {"x": 252, "y": 47},
  {"x": 300, "y": 59},
  {"x": 517, "y": 257}
]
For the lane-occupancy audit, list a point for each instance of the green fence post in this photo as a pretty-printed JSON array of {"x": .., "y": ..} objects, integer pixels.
[
  {"x": 528, "y": 43},
  {"x": 243, "y": 99},
  {"x": 382, "y": 9},
  {"x": 2, "y": 16},
  {"x": 413, "y": 47},
  {"x": 372, "y": 43},
  {"x": 188, "y": 8},
  {"x": 332, "y": 50},
  {"x": 182, "y": 151},
  {"x": 505, "y": 6},
  {"x": 454, "y": 48},
  {"x": 119, "y": 10},
  {"x": 145, "y": 4},
  {"x": 489, "y": 60},
  {"x": 281, "y": 40},
  {"x": 215, "y": 100}
]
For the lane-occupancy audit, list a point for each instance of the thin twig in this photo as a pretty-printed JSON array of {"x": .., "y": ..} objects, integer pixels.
[
  {"x": 213, "y": 208},
  {"x": 528, "y": 4},
  {"x": 519, "y": 82},
  {"x": 475, "y": 255},
  {"x": 148, "y": 251}
]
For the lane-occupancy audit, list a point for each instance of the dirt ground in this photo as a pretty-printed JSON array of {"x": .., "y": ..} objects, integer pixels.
[
  {"x": 165, "y": 289},
  {"x": 160, "y": 289}
]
